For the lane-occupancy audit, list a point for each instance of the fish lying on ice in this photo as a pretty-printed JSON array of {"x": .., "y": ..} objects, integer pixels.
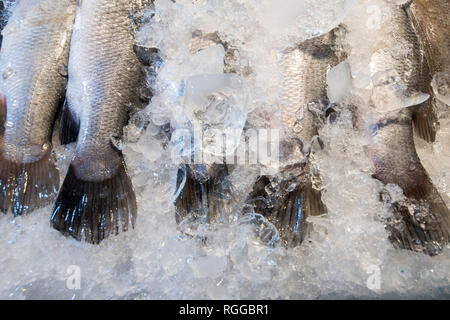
[
  {"x": 204, "y": 189},
  {"x": 33, "y": 63},
  {"x": 97, "y": 197},
  {"x": 288, "y": 198},
  {"x": 422, "y": 221},
  {"x": 431, "y": 20}
]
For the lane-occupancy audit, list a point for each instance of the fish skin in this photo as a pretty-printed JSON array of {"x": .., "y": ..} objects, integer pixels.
[
  {"x": 431, "y": 20},
  {"x": 291, "y": 198},
  {"x": 393, "y": 152},
  {"x": 105, "y": 75},
  {"x": 34, "y": 50},
  {"x": 33, "y": 58},
  {"x": 104, "y": 80}
]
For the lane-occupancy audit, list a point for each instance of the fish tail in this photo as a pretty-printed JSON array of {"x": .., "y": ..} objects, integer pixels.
[
  {"x": 424, "y": 121},
  {"x": 25, "y": 187},
  {"x": 92, "y": 210},
  {"x": 69, "y": 126},
  {"x": 203, "y": 192},
  {"x": 287, "y": 210},
  {"x": 421, "y": 223}
]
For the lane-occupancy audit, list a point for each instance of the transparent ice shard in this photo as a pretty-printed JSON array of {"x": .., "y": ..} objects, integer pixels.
[{"x": 217, "y": 108}]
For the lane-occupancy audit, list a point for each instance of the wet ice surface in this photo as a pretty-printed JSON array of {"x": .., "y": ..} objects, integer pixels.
[{"x": 347, "y": 255}]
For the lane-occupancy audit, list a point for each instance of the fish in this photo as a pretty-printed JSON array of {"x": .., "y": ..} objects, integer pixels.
[
  {"x": 288, "y": 198},
  {"x": 431, "y": 21},
  {"x": 97, "y": 197},
  {"x": 203, "y": 191},
  {"x": 421, "y": 221},
  {"x": 432, "y": 25},
  {"x": 33, "y": 62}
]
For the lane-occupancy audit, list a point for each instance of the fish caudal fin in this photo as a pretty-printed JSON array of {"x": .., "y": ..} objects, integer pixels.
[
  {"x": 69, "y": 126},
  {"x": 286, "y": 207},
  {"x": 424, "y": 121},
  {"x": 203, "y": 193},
  {"x": 25, "y": 187},
  {"x": 92, "y": 210},
  {"x": 420, "y": 224}
]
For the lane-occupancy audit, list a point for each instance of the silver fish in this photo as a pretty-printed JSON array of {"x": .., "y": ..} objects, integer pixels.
[
  {"x": 422, "y": 220},
  {"x": 432, "y": 23},
  {"x": 33, "y": 61},
  {"x": 287, "y": 199},
  {"x": 105, "y": 75},
  {"x": 205, "y": 191},
  {"x": 431, "y": 20}
]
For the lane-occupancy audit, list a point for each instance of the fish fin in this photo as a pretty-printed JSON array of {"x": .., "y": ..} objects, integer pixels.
[
  {"x": 69, "y": 125},
  {"x": 421, "y": 220},
  {"x": 407, "y": 4},
  {"x": 412, "y": 230},
  {"x": 92, "y": 210},
  {"x": 424, "y": 121},
  {"x": 2, "y": 114},
  {"x": 25, "y": 187},
  {"x": 205, "y": 193},
  {"x": 287, "y": 210},
  {"x": 147, "y": 56}
]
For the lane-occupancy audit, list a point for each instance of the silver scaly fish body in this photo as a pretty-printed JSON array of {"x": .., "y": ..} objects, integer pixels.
[
  {"x": 97, "y": 197},
  {"x": 287, "y": 199},
  {"x": 33, "y": 62},
  {"x": 425, "y": 228},
  {"x": 432, "y": 21},
  {"x": 304, "y": 72},
  {"x": 105, "y": 75}
]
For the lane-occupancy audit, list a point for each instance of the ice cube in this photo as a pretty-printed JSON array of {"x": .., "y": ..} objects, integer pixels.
[
  {"x": 217, "y": 107},
  {"x": 339, "y": 82},
  {"x": 441, "y": 87}
]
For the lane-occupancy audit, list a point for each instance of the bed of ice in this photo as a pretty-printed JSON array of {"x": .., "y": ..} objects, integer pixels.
[{"x": 346, "y": 256}]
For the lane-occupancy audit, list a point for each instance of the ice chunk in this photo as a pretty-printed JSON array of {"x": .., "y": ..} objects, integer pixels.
[
  {"x": 441, "y": 87},
  {"x": 209, "y": 266},
  {"x": 390, "y": 94},
  {"x": 207, "y": 61},
  {"x": 217, "y": 107},
  {"x": 311, "y": 17},
  {"x": 339, "y": 82}
]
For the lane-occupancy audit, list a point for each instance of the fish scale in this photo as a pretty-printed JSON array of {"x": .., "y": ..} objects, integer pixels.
[
  {"x": 104, "y": 78},
  {"x": 421, "y": 220},
  {"x": 34, "y": 51},
  {"x": 288, "y": 198}
]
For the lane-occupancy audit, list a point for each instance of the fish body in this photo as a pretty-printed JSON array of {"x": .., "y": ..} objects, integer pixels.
[
  {"x": 423, "y": 220},
  {"x": 204, "y": 191},
  {"x": 287, "y": 199},
  {"x": 105, "y": 76},
  {"x": 33, "y": 63},
  {"x": 431, "y": 20}
]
